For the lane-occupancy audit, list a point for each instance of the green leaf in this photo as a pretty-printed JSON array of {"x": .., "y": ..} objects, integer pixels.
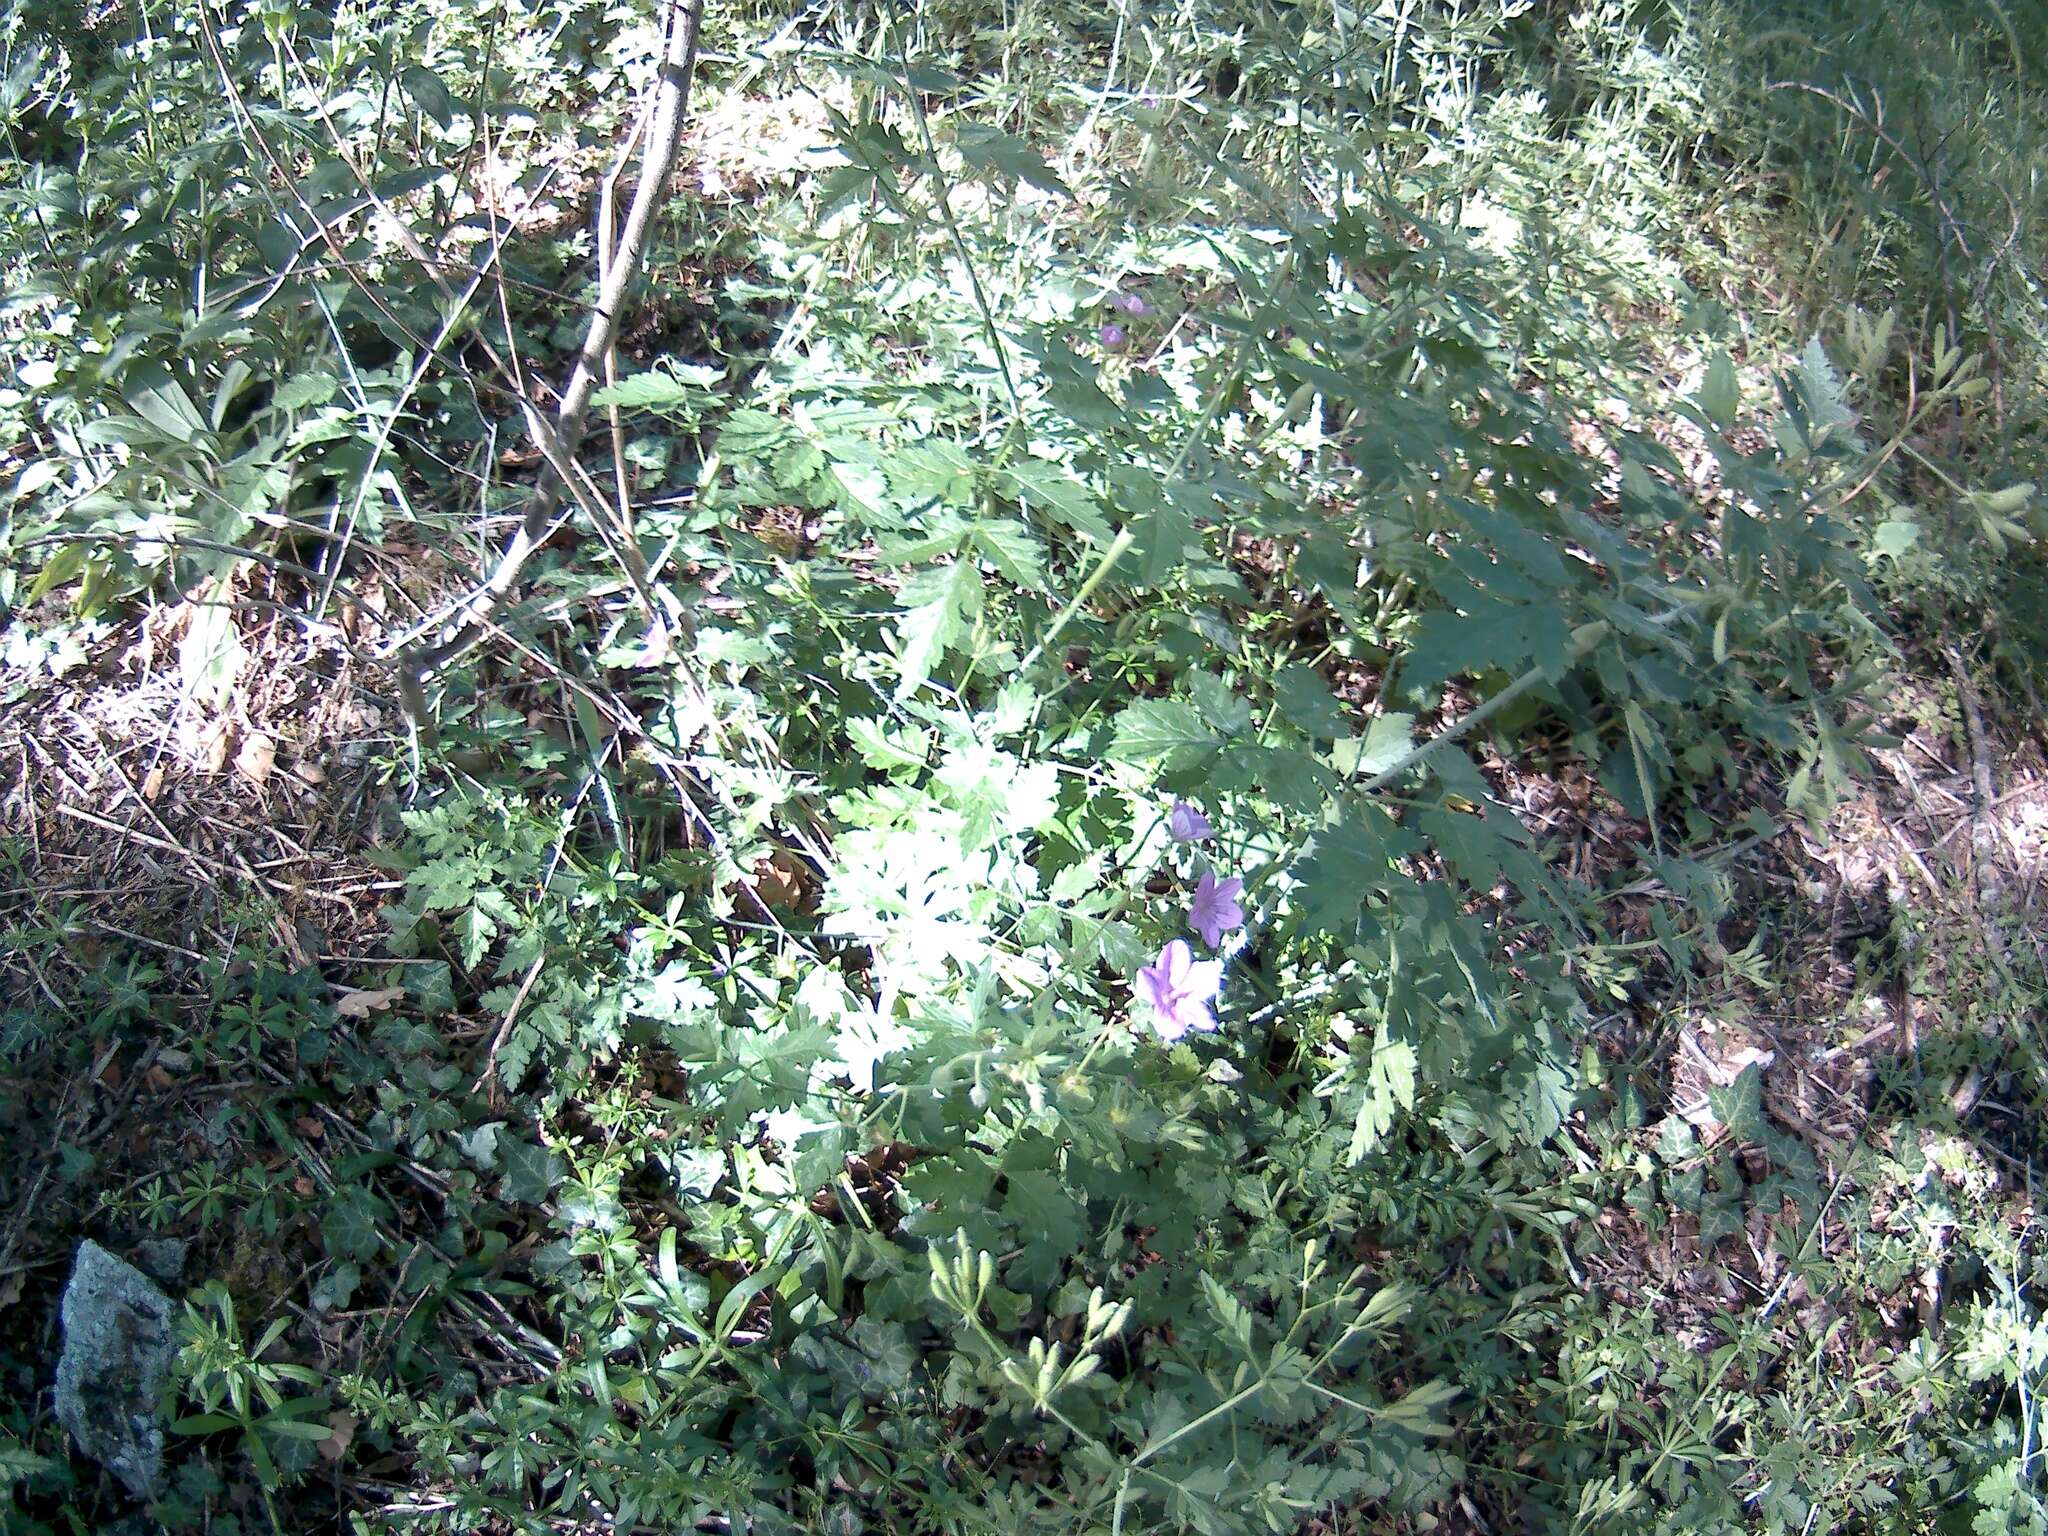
[
  {"x": 1050, "y": 1222},
  {"x": 349, "y": 1229},
  {"x": 1346, "y": 863},
  {"x": 1164, "y": 731},
  {"x": 1820, "y": 389},
  {"x": 1049, "y": 491},
  {"x": 1494, "y": 636},
  {"x": 1740, "y": 1106},
  {"x": 1720, "y": 395},
  {"x": 1390, "y": 1087},
  {"x": 1420, "y": 1411},
  {"x": 1386, "y": 740},
  {"x": 664, "y": 393},
  {"x": 1304, "y": 700},
  {"x": 160, "y": 400},
  {"x": 429, "y": 93},
  {"x": 531, "y": 1173},
  {"x": 1014, "y": 550},
  {"x": 303, "y": 391},
  {"x": 1895, "y": 538},
  {"x": 1007, "y": 157},
  {"x": 943, "y": 604}
]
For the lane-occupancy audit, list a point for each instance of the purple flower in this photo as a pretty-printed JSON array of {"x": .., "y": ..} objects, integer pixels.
[
  {"x": 1112, "y": 335},
  {"x": 1185, "y": 824},
  {"x": 1149, "y": 101},
  {"x": 1215, "y": 911},
  {"x": 1131, "y": 304},
  {"x": 1180, "y": 988}
]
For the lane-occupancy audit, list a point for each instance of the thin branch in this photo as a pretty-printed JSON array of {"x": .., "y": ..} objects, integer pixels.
[{"x": 559, "y": 442}]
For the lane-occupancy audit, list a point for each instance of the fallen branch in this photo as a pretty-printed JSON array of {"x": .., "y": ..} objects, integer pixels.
[{"x": 559, "y": 440}]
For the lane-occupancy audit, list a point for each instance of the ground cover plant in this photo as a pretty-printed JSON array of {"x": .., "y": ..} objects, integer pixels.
[{"x": 1019, "y": 768}]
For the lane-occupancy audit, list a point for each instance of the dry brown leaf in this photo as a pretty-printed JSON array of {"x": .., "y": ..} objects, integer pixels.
[
  {"x": 780, "y": 881},
  {"x": 153, "y": 783},
  {"x": 336, "y": 1445},
  {"x": 360, "y": 1005},
  {"x": 257, "y": 757},
  {"x": 213, "y": 746}
]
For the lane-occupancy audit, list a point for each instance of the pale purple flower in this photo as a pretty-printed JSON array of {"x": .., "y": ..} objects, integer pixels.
[
  {"x": 1131, "y": 304},
  {"x": 1180, "y": 988},
  {"x": 1112, "y": 335},
  {"x": 1215, "y": 911},
  {"x": 1149, "y": 101},
  {"x": 1185, "y": 824}
]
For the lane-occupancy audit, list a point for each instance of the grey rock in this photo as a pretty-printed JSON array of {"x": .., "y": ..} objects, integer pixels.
[
  {"x": 162, "y": 1259},
  {"x": 116, "y": 1363}
]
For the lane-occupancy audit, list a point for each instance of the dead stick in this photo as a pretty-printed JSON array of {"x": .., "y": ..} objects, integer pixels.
[{"x": 664, "y": 137}]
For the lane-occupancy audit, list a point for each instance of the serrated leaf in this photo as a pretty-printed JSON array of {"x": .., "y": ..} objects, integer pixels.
[
  {"x": 1007, "y": 157},
  {"x": 1385, "y": 742},
  {"x": 1014, "y": 550},
  {"x": 1820, "y": 390},
  {"x": 1305, "y": 700},
  {"x": 661, "y": 392},
  {"x": 891, "y": 749},
  {"x": 1048, "y": 1219},
  {"x": 1050, "y": 492},
  {"x": 304, "y": 390},
  {"x": 1346, "y": 863},
  {"x": 1390, "y": 1087},
  {"x": 1720, "y": 394},
  {"x": 943, "y": 604},
  {"x": 1493, "y": 636},
  {"x": 1165, "y": 731}
]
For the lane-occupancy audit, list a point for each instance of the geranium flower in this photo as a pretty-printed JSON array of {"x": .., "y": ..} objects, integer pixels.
[
  {"x": 1185, "y": 824},
  {"x": 1180, "y": 988},
  {"x": 1131, "y": 304},
  {"x": 1112, "y": 335},
  {"x": 1215, "y": 911}
]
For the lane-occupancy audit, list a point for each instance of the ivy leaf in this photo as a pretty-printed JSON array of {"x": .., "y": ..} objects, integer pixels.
[
  {"x": 531, "y": 1173},
  {"x": 349, "y": 1229},
  {"x": 1740, "y": 1106},
  {"x": 1161, "y": 730}
]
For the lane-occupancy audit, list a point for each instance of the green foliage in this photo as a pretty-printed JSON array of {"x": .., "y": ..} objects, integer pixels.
[{"x": 758, "y": 1116}]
